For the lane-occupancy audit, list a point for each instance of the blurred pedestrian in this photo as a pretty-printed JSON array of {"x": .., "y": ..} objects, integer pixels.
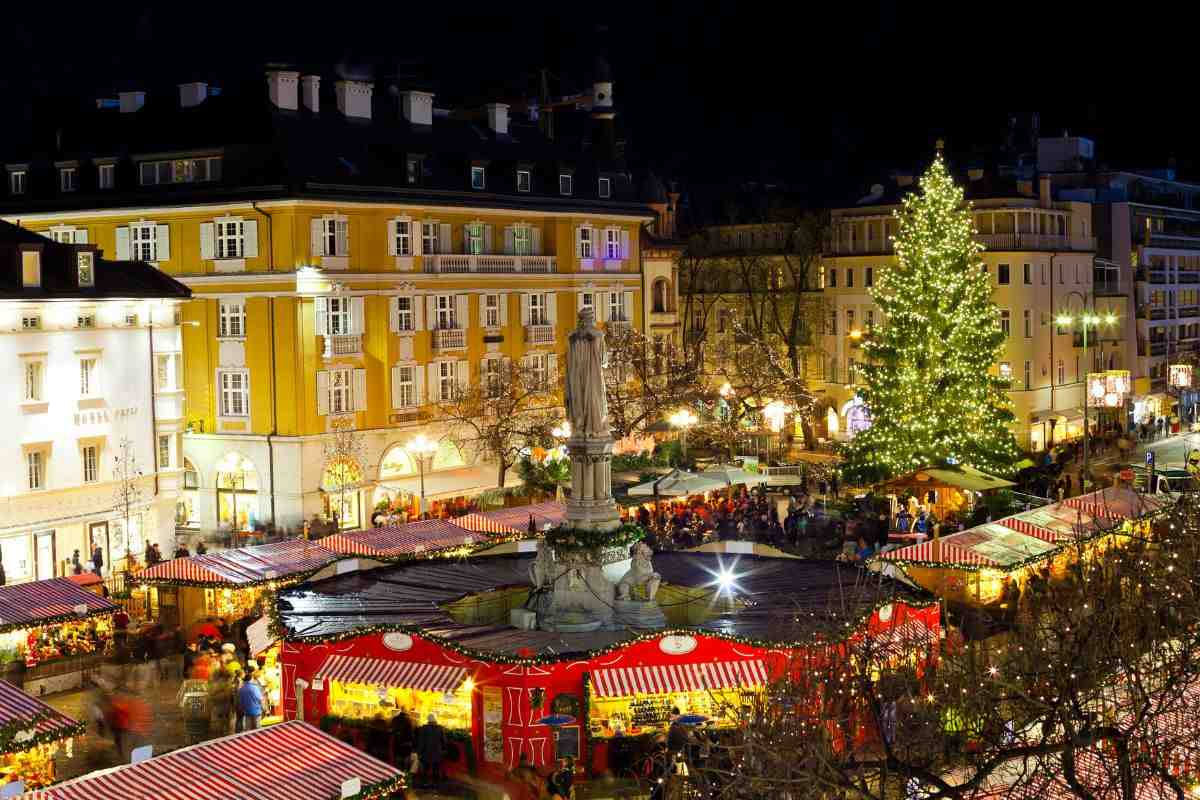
[
  {"x": 97, "y": 560},
  {"x": 431, "y": 741},
  {"x": 250, "y": 702},
  {"x": 220, "y": 702},
  {"x": 76, "y": 566}
]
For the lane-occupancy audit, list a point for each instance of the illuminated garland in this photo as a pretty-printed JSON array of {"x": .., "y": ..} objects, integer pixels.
[
  {"x": 564, "y": 538},
  {"x": 378, "y": 791},
  {"x": 10, "y": 730},
  {"x": 57, "y": 619},
  {"x": 280, "y": 582}
]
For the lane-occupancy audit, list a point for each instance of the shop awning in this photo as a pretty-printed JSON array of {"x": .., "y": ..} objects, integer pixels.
[
  {"x": 258, "y": 634},
  {"x": 965, "y": 477},
  {"x": 18, "y": 708},
  {"x": 243, "y": 566},
  {"x": 400, "y": 674},
  {"x": 900, "y": 641},
  {"x": 397, "y": 541},
  {"x": 483, "y": 523},
  {"x": 667, "y": 678},
  {"x": 1062, "y": 413},
  {"x": 288, "y": 760},
  {"x": 1054, "y": 523},
  {"x": 947, "y": 554},
  {"x": 553, "y": 513},
  {"x": 465, "y": 482},
  {"x": 48, "y": 602},
  {"x": 677, "y": 483},
  {"x": 1119, "y": 502}
]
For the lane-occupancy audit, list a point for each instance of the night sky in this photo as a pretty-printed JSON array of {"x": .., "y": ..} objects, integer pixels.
[{"x": 825, "y": 101}]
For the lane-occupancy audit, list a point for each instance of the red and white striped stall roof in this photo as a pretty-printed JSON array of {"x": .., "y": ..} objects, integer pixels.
[
  {"x": 26, "y": 604},
  {"x": 17, "y": 707},
  {"x": 667, "y": 678},
  {"x": 1055, "y": 523},
  {"x": 282, "y": 762},
  {"x": 244, "y": 565},
  {"x": 1118, "y": 502},
  {"x": 400, "y": 674},
  {"x": 482, "y": 523},
  {"x": 394, "y": 541},
  {"x": 949, "y": 554},
  {"x": 517, "y": 517},
  {"x": 912, "y": 637}
]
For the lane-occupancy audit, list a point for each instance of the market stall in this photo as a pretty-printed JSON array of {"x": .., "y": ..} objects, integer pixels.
[
  {"x": 264, "y": 648},
  {"x": 946, "y": 492},
  {"x": 433, "y": 636},
  {"x": 292, "y": 759},
  {"x": 37, "y": 732},
  {"x": 50, "y": 632},
  {"x": 229, "y": 584},
  {"x": 414, "y": 539}
]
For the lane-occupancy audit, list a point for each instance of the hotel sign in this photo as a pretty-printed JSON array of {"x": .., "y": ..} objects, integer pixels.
[{"x": 103, "y": 415}]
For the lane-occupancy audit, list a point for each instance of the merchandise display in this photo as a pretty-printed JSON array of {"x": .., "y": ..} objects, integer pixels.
[{"x": 362, "y": 701}]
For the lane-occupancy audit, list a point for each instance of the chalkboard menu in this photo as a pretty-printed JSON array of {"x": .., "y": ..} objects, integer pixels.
[{"x": 567, "y": 742}]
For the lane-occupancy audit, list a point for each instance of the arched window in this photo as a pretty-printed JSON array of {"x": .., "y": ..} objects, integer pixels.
[
  {"x": 448, "y": 456},
  {"x": 396, "y": 463},
  {"x": 661, "y": 301},
  {"x": 340, "y": 483},
  {"x": 186, "y": 515},
  {"x": 237, "y": 493}
]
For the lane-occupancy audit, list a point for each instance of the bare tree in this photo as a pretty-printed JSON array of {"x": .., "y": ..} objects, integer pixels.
[
  {"x": 127, "y": 496},
  {"x": 344, "y": 449},
  {"x": 503, "y": 413},
  {"x": 646, "y": 379}
]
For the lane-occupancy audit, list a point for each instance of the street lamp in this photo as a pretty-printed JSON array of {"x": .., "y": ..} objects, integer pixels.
[
  {"x": 1085, "y": 321},
  {"x": 421, "y": 447},
  {"x": 683, "y": 419}
]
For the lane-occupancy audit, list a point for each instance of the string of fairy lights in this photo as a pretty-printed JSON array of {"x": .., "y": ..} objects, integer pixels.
[{"x": 927, "y": 374}]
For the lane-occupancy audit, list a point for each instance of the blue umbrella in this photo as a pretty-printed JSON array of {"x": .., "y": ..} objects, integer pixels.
[
  {"x": 692, "y": 719},
  {"x": 556, "y": 720}
]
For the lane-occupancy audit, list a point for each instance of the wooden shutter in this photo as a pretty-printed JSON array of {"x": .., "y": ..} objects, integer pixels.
[
  {"x": 162, "y": 243},
  {"x": 627, "y": 304},
  {"x": 250, "y": 239},
  {"x": 208, "y": 241},
  {"x": 123, "y": 243},
  {"x": 391, "y": 237},
  {"x": 418, "y": 386},
  {"x": 487, "y": 239},
  {"x": 418, "y": 308},
  {"x": 358, "y": 319},
  {"x": 510, "y": 240},
  {"x": 342, "y": 230},
  {"x": 503, "y": 309},
  {"x": 360, "y": 390},
  {"x": 462, "y": 375},
  {"x": 415, "y": 229},
  {"x": 579, "y": 300},
  {"x": 579, "y": 241},
  {"x": 601, "y": 300},
  {"x": 552, "y": 308},
  {"x": 322, "y": 393},
  {"x": 483, "y": 310},
  {"x": 551, "y": 371},
  {"x": 316, "y": 241},
  {"x": 524, "y": 308},
  {"x": 394, "y": 314},
  {"x": 431, "y": 310},
  {"x": 321, "y": 313},
  {"x": 624, "y": 243},
  {"x": 445, "y": 242},
  {"x": 81, "y": 236},
  {"x": 396, "y": 387},
  {"x": 435, "y": 389},
  {"x": 460, "y": 311},
  {"x": 536, "y": 238}
]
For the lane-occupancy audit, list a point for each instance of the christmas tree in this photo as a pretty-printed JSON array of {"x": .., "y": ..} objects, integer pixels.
[{"x": 929, "y": 379}]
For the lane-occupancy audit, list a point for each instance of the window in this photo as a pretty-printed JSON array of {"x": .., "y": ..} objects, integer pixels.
[
  {"x": 85, "y": 321},
  {"x": 405, "y": 314},
  {"x": 1028, "y": 374},
  {"x": 180, "y": 170},
  {"x": 524, "y": 180},
  {"x": 522, "y": 240},
  {"x": 87, "y": 377},
  {"x": 33, "y": 382},
  {"x": 230, "y": 241},
  {"x": 235, "y": 393},
  {"x": 1028, "y": 315},
  {"x": 412, "y": 169},
  {"x": 447, "y": 383},
  {"x": 850, "y": 320},
  {"x": 31, "y": 268},
  {"x": 16, "y": 181},
  {"x": 612, "y": 243},
  {"x": 1006, "y": 370},
  {"x": 166, "y": 372},
  {"x": 491, "y": 311},
  {"x": 587, "y": 300},
  {"x": 868, "y": 276},
  {"x": 35, "y": 463},
  {"x": 1027, "y": 274},
  {"x": 143, "y": 241},
  {"x": 1005, "y": 322},
  {"x": 833, "y": 326},
  {"x": 86, "y": 268},
  {"x": 537, "y": 310},
  {"x": 231, "y": 319},
  {"x": 429, "y": 238},
  {"x": 565, "y": 184},
  {"x": 406, "y": 388},
  {"x": 585, "y": 242},
  {"x": 91, "y": 463},
  {"x": 605, "y": 189},
  {"x": 403, "y": 237},
  {"x": 334, "y": 236},
  {"x": 850, "y": 277},
  {"x": 832, "y": 280},
  {"x": 131, "y": 319},
  {"x": 1002, "y": 275},
  {"x": 31, "y": 322},
  {"x": 473, "y": 235},
  {"x": 66, "y": 179},
  {"x": 164, "y": 451},
  {"x": 536, "y": 364},
  {"x": 1062, "y": 371},
  {"x": 106, "y": 176},
  {"x": 1060, "y": 274},
  {"x": 341, "y": 391},
  {"x": 478, "y": 178},
  {"x": 616, "y": 307},
  {"x": 340, "y": 320},
  {"x": 493, "y": 380},
  {"x": 445, "y": 316}
]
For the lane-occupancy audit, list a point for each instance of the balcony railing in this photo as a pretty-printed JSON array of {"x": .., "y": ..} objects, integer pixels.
[
  {"x": 539, "y": 334},
  {"x": 1107, "y": 288},
  {"x": 1152, "y": 348},
  {"x": 1035, "y": 241},
  {"x": 1188, "y": 311},
  {"x": 864, "y": 248},
  {"x": 449, "y": 339},
  {"x": 1174, "y": 240},
  {"x": 465, "y": 263},
  {"x": 1151, "y": 312},
  {"x": 343, "y": 345}
]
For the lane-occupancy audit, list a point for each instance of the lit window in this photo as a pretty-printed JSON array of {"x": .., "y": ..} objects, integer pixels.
[
  {"x": 85, "y": 321},
  {"x": 66, "y": 179},
  {"x": 412, "y": 169},
  {"x": 91, "y": 463},
  {"x": 35, "y": 462},
  {"x": 404, "y": 314},
  {"x": 230, "y": 241},
  {"x": 231, "y": 319},
  {"x": 166, "y": 372},
  {"x": 180, "y": 170},
  {"x": 143, "y": 241},
  {"x": 473, "y": 235},
  {"x": 1005, "y": 370},
  {"x": 478, "y": 178},
  {"x": 131, "y": 319},
  {"x": 406, "y": 388},
  {"x": 106, "y": 175},
  {"x": 1005, "y": 322},
  {"x": 87, "y": 377},
  {"x": 31, "y": 268},
  {"x": 612, "y": 244},
  {"x": 523, "y": 240},
  {"x": 403, "y": 237},
  {"x": 16, "y": 181},
  {"x": 447, "y": 381},
  {"x": 86, "y": 268},
  {"x": 33, "y": 382},
  {"x": 429, "y": 238},
  {"x": 235, "y": 393},
  {"x": 585, "y": 242},
  {"x": 605, "y": 188},
  {"x": 491, "y": 310},
  {"x": 164, "y": 451},
  {"x": 524, "y": 180},
  {"x": 565, "y": 184},
  {"x": 31, "y": 322}
]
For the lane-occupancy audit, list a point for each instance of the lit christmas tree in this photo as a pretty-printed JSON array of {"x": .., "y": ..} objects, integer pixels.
[{"x": 928, "y": 378}]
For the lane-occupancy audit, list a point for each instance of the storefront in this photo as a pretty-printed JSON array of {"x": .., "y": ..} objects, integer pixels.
[
  {"x": 40, "y": 731},
  {"x": 264, "y": 648},
  {"x": 500, "y": 692},
  {"x": 237, "y": 494}
]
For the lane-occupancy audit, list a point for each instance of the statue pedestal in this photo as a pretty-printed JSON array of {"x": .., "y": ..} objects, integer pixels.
[{"x": 639, "y": 614}]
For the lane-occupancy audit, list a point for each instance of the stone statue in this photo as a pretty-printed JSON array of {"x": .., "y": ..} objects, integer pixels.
[
  {"x": 541, "y": 571},
  {"x": 641, "y": 573},
  {"x": 584, "y": 395}
]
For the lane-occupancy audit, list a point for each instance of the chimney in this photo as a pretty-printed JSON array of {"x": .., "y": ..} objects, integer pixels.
[
  {"x": 417, "y": 107},
  {"x": 354, "y": 98},
  {"x": 283, "y": 86},
  {"x": 192, "y": 94},
  {"x": 497, "y": 118},
  {"x": 131, "y": 101},
  {"x": 310, "y": 92},
  {"x": 1044, "y": 198}
]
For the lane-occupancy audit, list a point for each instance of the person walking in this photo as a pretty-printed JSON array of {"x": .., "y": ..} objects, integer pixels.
[
  {"x": 250, "y": 702},
  {"x": 431, "y": 741},
  {"x": 220, "y": 701},
  {"x": 76, "y": 565},
  {"x": 97, "y": 560}
]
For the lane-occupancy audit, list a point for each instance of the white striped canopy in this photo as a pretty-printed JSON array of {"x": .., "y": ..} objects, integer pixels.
[
  {"x": 667, "y": 678},
  {"x": 484, "y": 523},
  {"x": 281, "y": 762},
  {"x": 33, "y": 603},
  {"x": 1119, "y": 502},
  {"x": 243, "y": 566},
  {"x": 394, "y": 541},
  {"x": 399, "y": 674},
  {"x": 949, "y": 554},
  {"x": 20, "y": 708}
]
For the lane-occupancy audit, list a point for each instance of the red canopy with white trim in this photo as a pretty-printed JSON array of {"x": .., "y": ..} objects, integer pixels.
[
  {"x": 400, "y": 674},
  {"x": 36, "y": 602},
  {"x": 18, "y": 707},
  {"x": 1119, "y": 502},
  {"x": 667, "y": 678},
  {"x": 244, "y": 566},
  {"x": 395, "y": 541}
]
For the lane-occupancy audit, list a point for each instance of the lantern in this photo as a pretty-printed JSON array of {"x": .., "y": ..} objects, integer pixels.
[
  {"x": 1097, "y": 388},
  {"x": 1180, "y": 375},
  {"x": 1118, "y": 381}
]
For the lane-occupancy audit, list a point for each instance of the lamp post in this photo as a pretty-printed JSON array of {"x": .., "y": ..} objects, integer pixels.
[
  {"x": 683, "y": 419},
  {"x": 1086, "y": 320},
  {"x": 421, "y": 447}
]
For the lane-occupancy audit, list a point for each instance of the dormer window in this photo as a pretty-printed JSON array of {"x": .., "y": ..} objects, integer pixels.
[
  {"x": 31, "y": 269},
  {"x": 106, "y": 176},
  {"x": 478, "y": 178},
  {"x": 565, "y": 185},
  {"x": 86, "y": 269},
  {"x": 524, "y": 180},
  {"x": 16, "y": 181},
  {"x": 605, "y": 188},
  {"x": 67, "y": 179}
]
